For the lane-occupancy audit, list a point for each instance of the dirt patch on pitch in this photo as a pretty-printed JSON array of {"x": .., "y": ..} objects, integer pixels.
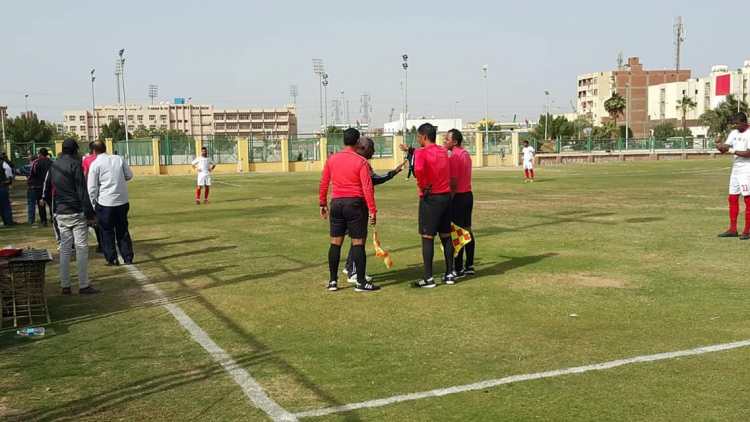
[{"x": 581, "y": 280}]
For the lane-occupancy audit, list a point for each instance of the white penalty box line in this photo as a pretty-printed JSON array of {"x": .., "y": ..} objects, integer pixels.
[
  {"x": 249, "y": 385},
  {"x": 521, "y": 378}
]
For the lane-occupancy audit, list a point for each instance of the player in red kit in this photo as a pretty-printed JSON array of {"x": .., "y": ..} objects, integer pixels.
[
  {"x": 462, "y": 203},
  {"x": 432, "y": 170},
  {"x": 352, "y": 206}
]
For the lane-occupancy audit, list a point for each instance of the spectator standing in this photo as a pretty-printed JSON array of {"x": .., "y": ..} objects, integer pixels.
[
  {"x": 108, "y": 190},
  {"x": 65, "y": 188}
]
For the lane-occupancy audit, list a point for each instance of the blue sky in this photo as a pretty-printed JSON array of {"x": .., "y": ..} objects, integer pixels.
[{"x": 248, "y": 53}]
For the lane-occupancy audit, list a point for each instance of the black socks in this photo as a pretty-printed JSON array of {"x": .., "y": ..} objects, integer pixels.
[
  {"x": 428, "y": 251},
  {"x": 448, "y": 253},
  {"x": 334, "y": 256},
  {"x": 360, "y": 262}
]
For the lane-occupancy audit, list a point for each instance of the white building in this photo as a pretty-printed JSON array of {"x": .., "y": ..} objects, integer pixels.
[
  {"x": 663, "y": 99},
  {"x": 593, "y": 90},
  {"x": 443, "y": 125}
]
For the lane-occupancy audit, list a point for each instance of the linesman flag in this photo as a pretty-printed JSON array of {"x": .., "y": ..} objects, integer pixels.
[
  {"x": 460, "y": 238},
  {"x": 380, "y": 252}
]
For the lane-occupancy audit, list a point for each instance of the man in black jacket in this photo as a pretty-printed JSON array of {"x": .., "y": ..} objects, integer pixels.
[
  {"x": 65, "y": 187},
  {"x": 39, "y": 168}
]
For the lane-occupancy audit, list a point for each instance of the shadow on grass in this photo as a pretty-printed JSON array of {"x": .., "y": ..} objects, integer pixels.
[{"x": 135, "y": 390}]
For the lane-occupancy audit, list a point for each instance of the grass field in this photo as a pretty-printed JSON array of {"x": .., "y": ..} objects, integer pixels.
[{"x": 629, "y": 248}]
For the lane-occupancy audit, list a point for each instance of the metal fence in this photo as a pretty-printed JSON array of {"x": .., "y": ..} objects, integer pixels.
[
  {"x": 383, "y": 146},
  {"x": 304, "y": 148},
  {"x": 221, "y": 150},
  {"x": 21, "y": 152},
  {"x": 561, "y": 146},
  {"x": 137, "y": 152},
  {"x": 176, "y": 151},
  {"x": 264, "y": 150}
]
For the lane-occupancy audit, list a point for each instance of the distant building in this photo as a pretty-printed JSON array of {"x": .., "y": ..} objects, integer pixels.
[
  {"x": 631, "y": 82},
  {"x": 193, "y": 120},
  {"x": 707, "y": 92},
  {"x": 443, "y": 125}
]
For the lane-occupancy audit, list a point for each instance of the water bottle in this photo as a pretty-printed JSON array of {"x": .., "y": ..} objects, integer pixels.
[{"x": 31, "y": 332}]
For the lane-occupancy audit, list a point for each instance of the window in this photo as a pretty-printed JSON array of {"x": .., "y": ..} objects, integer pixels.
[
  {"x": 151, "y": 117},
  {"x": 83, "y": 138},
  {"x": 152, "y": 126},
  {"x": 130, "y": 117},
  {"x": 163, "y": 118},
  {"x": 81, "y": 118},
  {"x": 119, "y": 117},
  {"x": 163, "y": 126},
  {"x": 218, "y": 117},
  {"x": 83, "y": 128},
  {"x": 140, "y": 117}
]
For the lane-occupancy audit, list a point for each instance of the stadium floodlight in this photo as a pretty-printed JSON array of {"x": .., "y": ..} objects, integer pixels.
[
  {"x": 486, "y": 104},
  {"x": 319, "y": 69},
  {"x": 93, "y": 106},
  {"x": 405, "y": 66}
]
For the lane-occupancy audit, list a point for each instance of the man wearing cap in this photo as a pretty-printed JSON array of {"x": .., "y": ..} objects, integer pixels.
[
  {"x": 65, "y": 188},
  {"x": 108, "y": 189}
]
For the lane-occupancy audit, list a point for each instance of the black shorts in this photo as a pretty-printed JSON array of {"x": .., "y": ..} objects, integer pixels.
[
  {"x": 349, "y": 215},
  {"x": 461, "y": 208},
  {"x": 435, "y": 214}
]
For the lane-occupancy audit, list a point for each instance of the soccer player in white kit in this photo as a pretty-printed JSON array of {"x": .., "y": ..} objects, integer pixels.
[
  {"x": 204, "y": 166},
  {"x": 738, "y": 143},
  {"x": 528, "y": 162}
]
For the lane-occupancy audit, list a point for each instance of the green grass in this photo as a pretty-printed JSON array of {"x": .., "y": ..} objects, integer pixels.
[{"x": 631, "y": 248}]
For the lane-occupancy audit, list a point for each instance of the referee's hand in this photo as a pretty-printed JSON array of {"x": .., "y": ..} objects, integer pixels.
[
  {"x": 372, "y": 219},
  {"x": 323, "y": 212}
]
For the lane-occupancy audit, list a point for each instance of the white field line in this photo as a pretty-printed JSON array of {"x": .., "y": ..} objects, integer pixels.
[
  {"x": 249, "y": 386},
  {"x": 227, "y": 183},
  {"x": 520, "y": 378}
]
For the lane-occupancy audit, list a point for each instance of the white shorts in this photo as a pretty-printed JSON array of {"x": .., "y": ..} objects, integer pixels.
[
  {"x": 204, "y": 179},
  {"x": 739, "y": 183},
  {"x": 528, "y": 165}
]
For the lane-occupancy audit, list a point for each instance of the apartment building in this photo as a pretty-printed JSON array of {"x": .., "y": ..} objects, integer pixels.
[
  {"x": 194, "y": 120},
  {"x": 632, "y": 82},
  {"x": 707, "y": 92},
  {"x": 249, "y": 122}
]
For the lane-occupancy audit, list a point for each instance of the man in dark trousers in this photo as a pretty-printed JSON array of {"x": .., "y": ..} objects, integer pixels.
[
  {"x": 462, "y": 203},
  {"x": 65, "y": 188},
  {"x": 108, "y": 189},
  {"x": 366, "y": 148},
  {"x": 432, "y": 170},
  {"x": 352, "y": 205},
  {"x": 39, "y": 168}
]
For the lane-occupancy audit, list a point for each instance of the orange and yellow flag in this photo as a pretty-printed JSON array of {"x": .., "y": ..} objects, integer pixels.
[
  {"x": 379, "y": 251},
  {"x": 460, "y": 238}
]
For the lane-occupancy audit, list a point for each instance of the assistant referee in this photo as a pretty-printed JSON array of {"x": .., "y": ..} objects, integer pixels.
[
  {"x": 352, "y": 205},
  {"x": 462, "y": 204}
]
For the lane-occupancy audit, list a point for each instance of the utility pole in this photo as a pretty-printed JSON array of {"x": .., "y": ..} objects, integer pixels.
[
  {"x": 153, "y": 93},
  {"x": 118, "y": 73},
  {"x": 405, "y": 66},
  {"x": 679, "y": 38},
  {"x": 546, "y": 117},
  {"x": 627, "y": 112},
  {"x": 293, "y": 92},
  {"x": 325, "y": 102},
  {"x": 486, "y": 106},
  {"x": 319, "y": 70},
  {"x": 93, "y": 106},
  {"x": 125, "y": 102}
]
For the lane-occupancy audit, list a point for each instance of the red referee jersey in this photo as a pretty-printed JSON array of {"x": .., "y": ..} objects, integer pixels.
[
  {"x": 349, "y": 173},
  {"x": 460, "y": 162},
  {"x": 432, "y": 169}
]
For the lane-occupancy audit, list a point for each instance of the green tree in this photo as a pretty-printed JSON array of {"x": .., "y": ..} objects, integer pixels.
[
  {"x": 559, "y": 127},
  {"x": 664, "y": 130},
  {"x": 615, "y": 106},
  {"x": 490, "y": 124},
  {"x": 685, "y": 104},
  {"x": 718, "y": 119},
  {"x": 581, "y": 124},
  {"x": 114, "y": 130},
  {"x": 23, "y": 129}
]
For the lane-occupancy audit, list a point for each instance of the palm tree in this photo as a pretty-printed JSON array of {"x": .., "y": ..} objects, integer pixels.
[
  {"x": 718, "y": 119},
  {"x": 685, "y": 104},
  {"x": 615, "y": 106}
]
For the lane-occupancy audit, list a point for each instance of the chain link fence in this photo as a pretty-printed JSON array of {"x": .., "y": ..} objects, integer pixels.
[
  {"x": 304, "y": 147},
  {"x": 137, "y": 152},
  {"x": 264, "y": 149},
  {"x": 221, "y": 150},
  {"x": 176, "y": 151}
]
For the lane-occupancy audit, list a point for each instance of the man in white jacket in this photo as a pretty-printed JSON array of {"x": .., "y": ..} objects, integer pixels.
[{"x": 108, "y": 190}]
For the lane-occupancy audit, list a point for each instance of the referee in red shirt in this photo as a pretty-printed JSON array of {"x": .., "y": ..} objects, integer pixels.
[
  {"x": 352, "y": 205},
  {"x": 432, "y": 170},
  {"x": 463, "y": 200}
]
